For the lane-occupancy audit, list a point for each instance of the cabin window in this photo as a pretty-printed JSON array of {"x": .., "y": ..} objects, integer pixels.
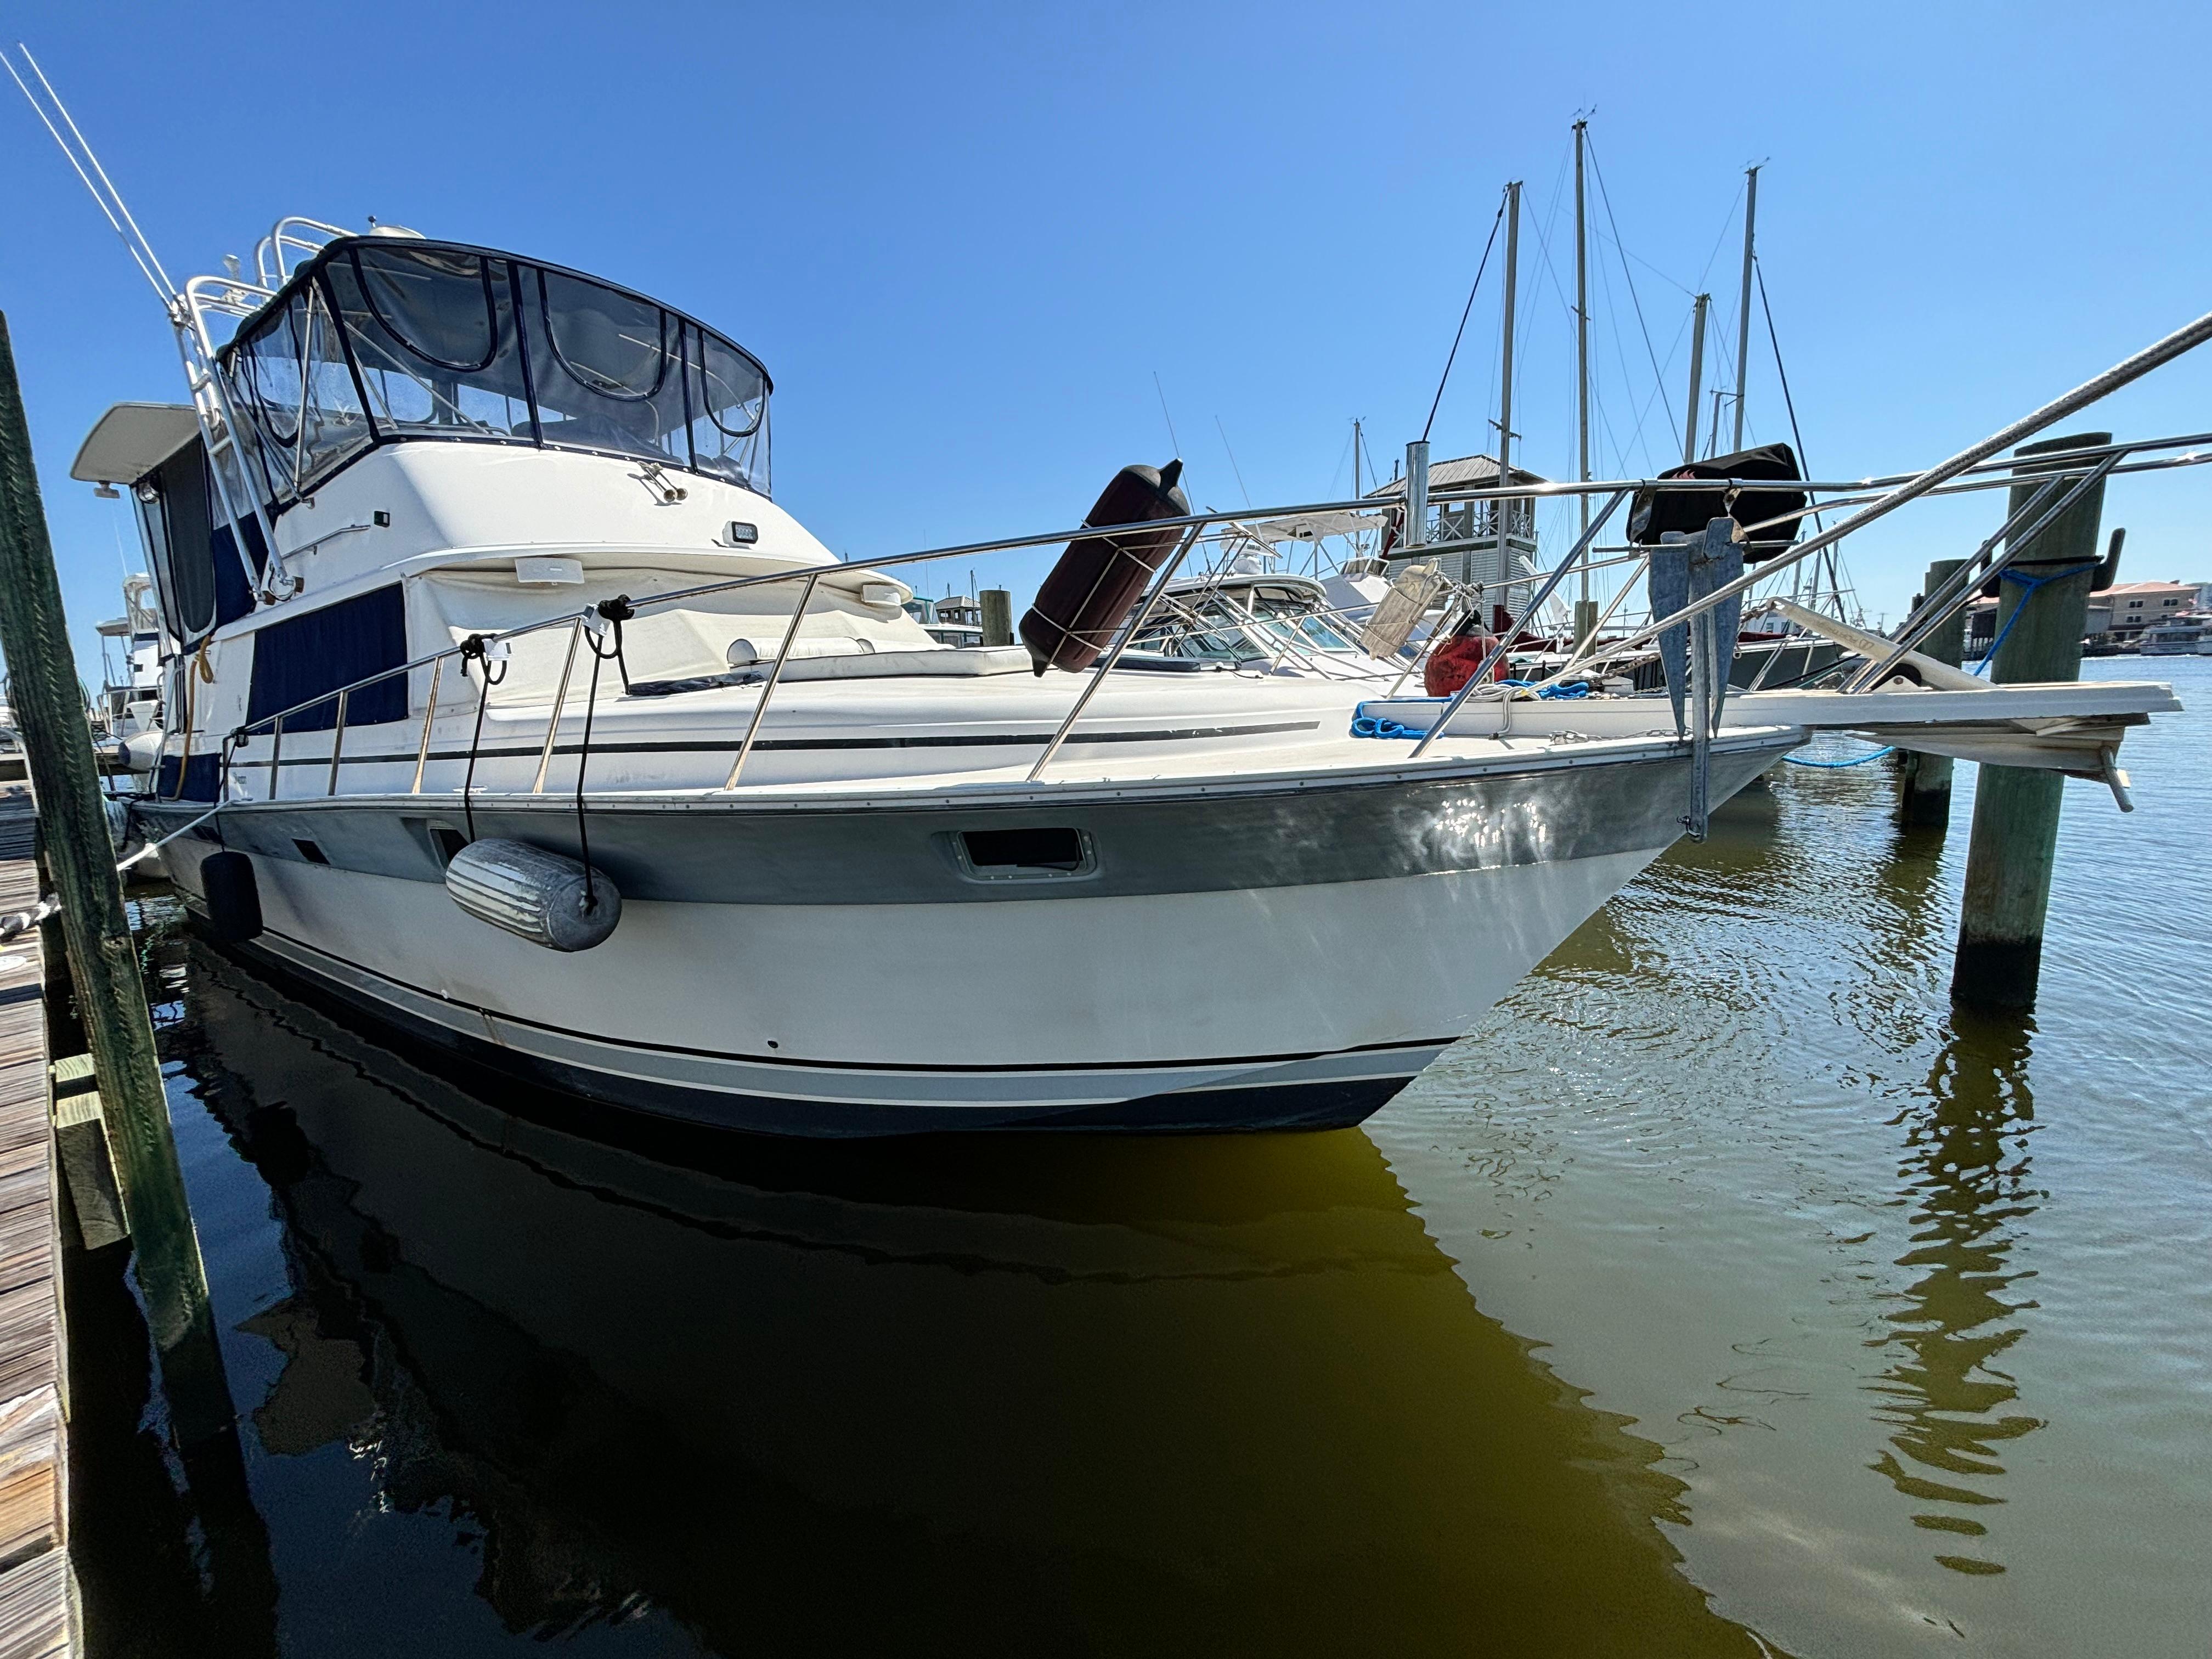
[
  {"x": 306, "y": 408},
  {"x": 607, "y": 372},
  {"x": 195, "y": 563},
  {"x": 1025, "y": 855},
  {"x": 320, "y": 651},
  {"x": 433, "y": 336},
  {"x": 728, "y": 410}
]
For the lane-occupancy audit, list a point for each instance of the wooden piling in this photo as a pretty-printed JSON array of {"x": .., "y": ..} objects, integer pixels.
[
  {"x": 1924, "y": 785},
  {"x": 998, "y": 615},
  {"x": 1585, "y": 622},
  {"x": 2042, "y": 608},
  {"x": 65, "y": 779}
]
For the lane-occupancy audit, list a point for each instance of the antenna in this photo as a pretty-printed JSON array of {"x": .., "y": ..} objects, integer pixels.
[{"x": 105, "y": 195}]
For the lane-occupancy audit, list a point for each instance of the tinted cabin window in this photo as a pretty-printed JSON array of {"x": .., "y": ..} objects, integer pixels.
[
  {"x": 173, "y": 504},
  {"x": 322, "y": 650}
]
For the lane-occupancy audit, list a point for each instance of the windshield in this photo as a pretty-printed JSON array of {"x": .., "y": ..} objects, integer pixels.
[{"x": 379, "y": 341}]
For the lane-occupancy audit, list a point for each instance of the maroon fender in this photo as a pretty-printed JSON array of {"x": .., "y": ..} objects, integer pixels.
[
  {"x": 1083, "y": 602},
  {"x": 1452, "y": 664}
]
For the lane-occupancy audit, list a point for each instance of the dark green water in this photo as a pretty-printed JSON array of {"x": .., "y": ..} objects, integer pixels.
[{"x": 1722, "y": 1295}]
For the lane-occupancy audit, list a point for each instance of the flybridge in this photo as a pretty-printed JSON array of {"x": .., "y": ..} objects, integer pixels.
[{"x": 390, "y": 338}]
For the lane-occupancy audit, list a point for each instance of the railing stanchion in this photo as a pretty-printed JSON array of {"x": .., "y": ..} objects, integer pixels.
[
  {"x": 1114, "y": 653},
  {"x": 775, "y": 673},
  {"x": 338, "y": 744},
  {"x": 560, "y": 699},
  {"x": 276, "y": 758},
  {"x": 430, "y": 709}
]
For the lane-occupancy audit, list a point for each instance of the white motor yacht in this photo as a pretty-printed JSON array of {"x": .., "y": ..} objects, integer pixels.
[
  {"x": 127, "y": 715},
  {"x": 508, "y": 705}
]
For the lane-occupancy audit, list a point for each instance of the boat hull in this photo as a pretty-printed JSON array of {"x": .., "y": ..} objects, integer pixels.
[{"x": 1255, "y": 960}]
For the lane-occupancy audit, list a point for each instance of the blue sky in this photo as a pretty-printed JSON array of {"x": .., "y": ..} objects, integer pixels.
[{"x": 966, "y": 238}]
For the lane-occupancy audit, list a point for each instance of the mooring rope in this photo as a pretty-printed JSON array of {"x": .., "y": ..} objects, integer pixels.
[
  {"x": 616, "y": 611},
  {"x": 473, "y": 647}
]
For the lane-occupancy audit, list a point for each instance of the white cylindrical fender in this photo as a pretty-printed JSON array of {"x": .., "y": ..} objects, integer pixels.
[
  {"x": 535, "y": 895},
  {"x": 141, "y": 751}
]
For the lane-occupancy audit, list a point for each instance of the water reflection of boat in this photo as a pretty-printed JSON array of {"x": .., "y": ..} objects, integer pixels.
[{"x": 1214, "y": 1394}]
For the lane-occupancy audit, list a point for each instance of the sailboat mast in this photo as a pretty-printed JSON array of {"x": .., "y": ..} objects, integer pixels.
[
  {"x": 1503, "y": 515},
  {"x": 1697, "y": 376},
  {"x": 1743, "y": 305},
  {"x": 1582, "y": 345}
]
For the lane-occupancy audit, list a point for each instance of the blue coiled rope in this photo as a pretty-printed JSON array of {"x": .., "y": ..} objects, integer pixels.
[{"x": 1382, "y": 726}]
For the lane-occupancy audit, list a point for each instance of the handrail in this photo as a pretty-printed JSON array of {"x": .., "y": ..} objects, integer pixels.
[
  {"x": 1113, "y": 655},
  {"x": 1968, "y": 463},
  {"x": 2183, "y": 338},
  {"x": 1957, "y": 593},
  {"x": 2057, "y": 459}
]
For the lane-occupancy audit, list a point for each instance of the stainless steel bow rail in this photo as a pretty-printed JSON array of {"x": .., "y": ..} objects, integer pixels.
[{"x": 1971, "y": 469}]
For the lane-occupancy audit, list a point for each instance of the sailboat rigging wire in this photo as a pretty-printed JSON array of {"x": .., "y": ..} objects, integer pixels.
[
  {"x": 1774, "y": 340},
  {"x": 1727, "y": 219},
  {"x": 1164, "y": 416},
  {"x": 1466, "y": 311},
  {"x": 1233, "y": 467},
  {"x": 1629, "y": 276}
]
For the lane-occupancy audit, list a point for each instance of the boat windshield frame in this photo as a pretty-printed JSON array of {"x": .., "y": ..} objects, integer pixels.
[{"x": 380, "y": 340}]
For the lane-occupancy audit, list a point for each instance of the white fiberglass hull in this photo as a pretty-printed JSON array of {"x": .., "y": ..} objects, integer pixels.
[{"x": 1168, "y": 992}]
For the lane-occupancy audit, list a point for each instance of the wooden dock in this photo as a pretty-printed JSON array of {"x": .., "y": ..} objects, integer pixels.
[{"x": 37, "y": 1613}]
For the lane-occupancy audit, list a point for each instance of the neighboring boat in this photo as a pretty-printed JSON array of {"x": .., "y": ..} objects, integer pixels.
[
  {"x": 127, "y": 714},
  {"x": 510, "y": 705},
  {"x": 1261, "y": 622},
  {"x": 945, "y": 621},
  {"x": 2178, "y": 636}
]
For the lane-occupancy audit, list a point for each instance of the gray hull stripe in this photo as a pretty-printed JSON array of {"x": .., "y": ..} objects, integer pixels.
[{"x": 734, "y": 852}]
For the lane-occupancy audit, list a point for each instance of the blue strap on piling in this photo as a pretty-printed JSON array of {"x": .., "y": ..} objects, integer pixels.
[{"x": 2031, "y": 583}]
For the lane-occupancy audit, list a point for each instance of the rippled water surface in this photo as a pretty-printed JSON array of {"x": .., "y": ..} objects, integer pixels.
[{"x": 1724, "y": 1294}]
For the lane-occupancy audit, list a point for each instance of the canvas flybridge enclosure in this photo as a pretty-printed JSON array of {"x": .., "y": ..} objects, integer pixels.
[{"x": 386, "y": 338}]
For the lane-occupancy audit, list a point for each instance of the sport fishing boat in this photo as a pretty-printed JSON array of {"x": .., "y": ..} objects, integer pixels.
[
  {"x": 508, "y": 705},
  {"x": 1267, "y": 623}
]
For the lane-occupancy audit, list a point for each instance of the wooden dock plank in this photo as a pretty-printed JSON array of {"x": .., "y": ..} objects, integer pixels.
[{"x": 37, "y": 1617}]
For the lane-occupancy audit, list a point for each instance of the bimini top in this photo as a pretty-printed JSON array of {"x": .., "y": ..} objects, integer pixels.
[{"x": 382, "y": 339}]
